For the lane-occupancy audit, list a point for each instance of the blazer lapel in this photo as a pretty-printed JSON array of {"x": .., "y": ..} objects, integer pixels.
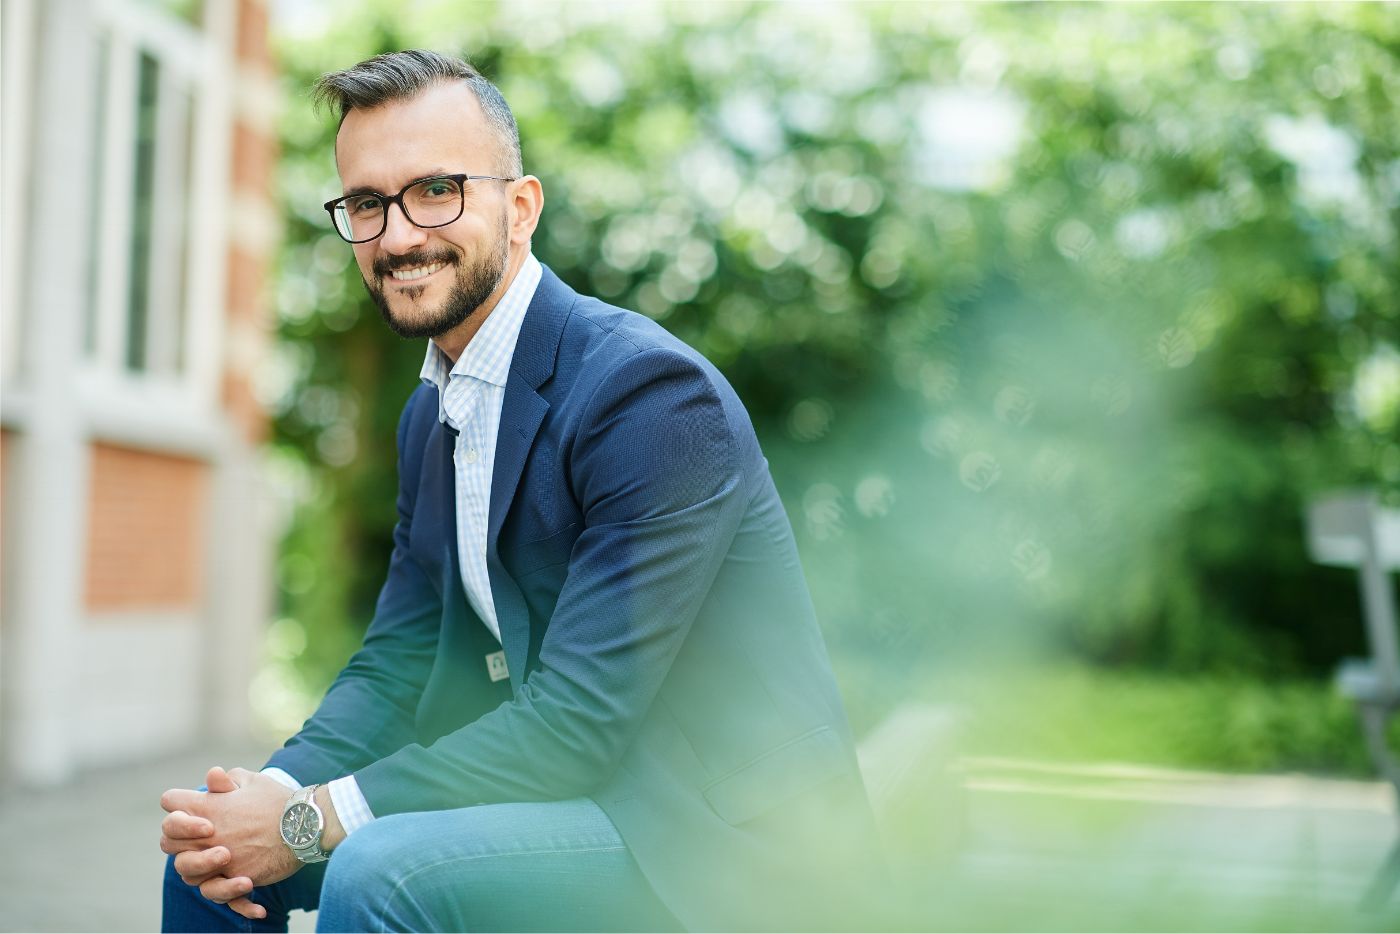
[
  {"x": 522, "y": 411},
  {"x": 521, "y": 414}
]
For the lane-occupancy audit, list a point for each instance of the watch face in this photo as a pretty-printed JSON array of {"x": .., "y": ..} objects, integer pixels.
[{"x": 300, "y": 825}]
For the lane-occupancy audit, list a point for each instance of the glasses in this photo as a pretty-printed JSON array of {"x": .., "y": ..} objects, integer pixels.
[{"x": 428, "y": 202}]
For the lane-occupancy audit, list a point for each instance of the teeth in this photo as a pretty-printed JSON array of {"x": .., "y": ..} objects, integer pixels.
[{"x": 417, "y": 272}]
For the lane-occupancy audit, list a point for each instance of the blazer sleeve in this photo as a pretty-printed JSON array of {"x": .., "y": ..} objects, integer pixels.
[
  {"x": 369, "y": 710},
  {"x": 656, "y": 468}
]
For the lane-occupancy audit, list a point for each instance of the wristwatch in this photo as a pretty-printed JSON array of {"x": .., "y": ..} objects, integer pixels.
[{"x": 302, "y": 826}]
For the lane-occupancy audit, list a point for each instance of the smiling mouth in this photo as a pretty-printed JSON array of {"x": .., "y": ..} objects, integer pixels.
[{"x": 416, "y": 273}]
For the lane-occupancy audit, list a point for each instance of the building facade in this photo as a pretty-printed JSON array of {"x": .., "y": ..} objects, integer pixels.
[{"x": 138, "y": 233}]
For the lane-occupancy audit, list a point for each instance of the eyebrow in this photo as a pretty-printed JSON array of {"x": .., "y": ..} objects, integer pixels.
[{"x": 369, "y": 190}]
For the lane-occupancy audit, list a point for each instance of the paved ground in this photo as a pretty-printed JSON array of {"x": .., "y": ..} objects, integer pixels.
[
  {"x": 1122, "y": 848},
  {"x": 1022, "y": 846},
  {"x": 83, "y": 857}
]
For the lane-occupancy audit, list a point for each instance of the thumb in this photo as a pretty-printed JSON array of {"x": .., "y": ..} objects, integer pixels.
[{"x": 219, "y": 781}]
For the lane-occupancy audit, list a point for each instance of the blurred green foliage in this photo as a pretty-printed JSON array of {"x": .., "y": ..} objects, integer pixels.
[
  {"x": 1069, "y": 712},
  {"x": 1050, "y": 317}
]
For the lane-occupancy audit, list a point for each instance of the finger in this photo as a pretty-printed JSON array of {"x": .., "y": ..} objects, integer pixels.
[
  {"x": 194, "y": 866},
  {"x": 181, "y": 825},
  {"x": 173, "y": 847},
  {"x": 248, "y": 908},
  {"x": 200, "y": 864},
  {"x": 180, "y": 799},
  {"x": 199, "y": 880},
  {"x": 241, "y": 777},
  {"x": 219, "y": 781},
  {"x": 222, "y": 889}
]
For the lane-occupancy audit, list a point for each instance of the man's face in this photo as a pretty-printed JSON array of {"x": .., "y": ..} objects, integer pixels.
[{"x": 427, "y": 282}]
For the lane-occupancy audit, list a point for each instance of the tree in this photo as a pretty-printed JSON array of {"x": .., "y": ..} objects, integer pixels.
[{"x": 1050, "y": 317}]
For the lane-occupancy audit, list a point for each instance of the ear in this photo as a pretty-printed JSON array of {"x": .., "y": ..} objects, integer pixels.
[{"x": 527, "y": 200}]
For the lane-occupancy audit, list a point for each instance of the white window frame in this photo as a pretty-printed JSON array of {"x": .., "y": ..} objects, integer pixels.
[
  {"x": 194, "y": 62},
  {"x": 19, "y": 39}
]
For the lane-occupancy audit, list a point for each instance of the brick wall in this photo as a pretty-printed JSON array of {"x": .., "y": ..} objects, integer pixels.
[
  {"x": 146, "y": 526},
  {"x": 255, "y": 150},
  {"x": 5, "y": 450}
]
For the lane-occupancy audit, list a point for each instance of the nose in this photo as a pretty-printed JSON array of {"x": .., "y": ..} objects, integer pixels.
[{"x": 400, "y": 236}]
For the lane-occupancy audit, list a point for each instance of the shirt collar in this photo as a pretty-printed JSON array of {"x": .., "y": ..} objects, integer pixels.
[{"x": 488, "y": 354}]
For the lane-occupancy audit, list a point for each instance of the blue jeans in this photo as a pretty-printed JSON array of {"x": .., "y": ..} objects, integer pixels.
[{"x": 550, "y": 866}]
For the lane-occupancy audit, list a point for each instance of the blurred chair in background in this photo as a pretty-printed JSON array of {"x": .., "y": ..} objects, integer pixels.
[{"x": 1352, "y": 529}]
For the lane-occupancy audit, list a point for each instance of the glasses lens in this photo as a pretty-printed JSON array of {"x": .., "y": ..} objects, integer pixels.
[
  {"x": 434, "y": 202},
  {"x": 359, "y": 217}
]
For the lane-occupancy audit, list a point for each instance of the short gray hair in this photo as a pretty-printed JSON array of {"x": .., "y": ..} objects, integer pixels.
[{"x": 396, "y": 76}]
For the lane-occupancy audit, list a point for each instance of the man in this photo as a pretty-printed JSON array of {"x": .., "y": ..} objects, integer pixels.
[{"x": 593, "y": 694}]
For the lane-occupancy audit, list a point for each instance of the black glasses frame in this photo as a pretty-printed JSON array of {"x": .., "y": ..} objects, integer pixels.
[{"x": 391, "y": 200}]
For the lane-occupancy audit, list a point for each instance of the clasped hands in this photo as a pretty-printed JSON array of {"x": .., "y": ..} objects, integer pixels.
[{"x": 227, "y": 840}]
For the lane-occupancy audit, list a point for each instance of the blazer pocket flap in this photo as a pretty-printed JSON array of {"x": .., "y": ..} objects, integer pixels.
[
  {"x": 529, "y": 557},
  {"x": 777, "y": 776}
]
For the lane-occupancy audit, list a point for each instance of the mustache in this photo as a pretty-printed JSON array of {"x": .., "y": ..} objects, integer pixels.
[{"x": 384, "y": 265}]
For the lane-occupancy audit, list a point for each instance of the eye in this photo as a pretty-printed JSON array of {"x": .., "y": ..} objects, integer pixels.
[
  {"x": 364, "y": 204},
  {"x": 438, "y": 188}
]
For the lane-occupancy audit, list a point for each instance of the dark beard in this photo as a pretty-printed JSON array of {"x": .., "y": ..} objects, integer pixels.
[{"x": 474, "y": 285}]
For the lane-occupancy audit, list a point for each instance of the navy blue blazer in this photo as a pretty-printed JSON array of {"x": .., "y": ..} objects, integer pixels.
[{"x": 663, "y": 652}]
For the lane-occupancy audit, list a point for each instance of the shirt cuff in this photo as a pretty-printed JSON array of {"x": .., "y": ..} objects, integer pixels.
[
  {"x": 350, "y": 804},
  {"x": 274, "y": 772}
]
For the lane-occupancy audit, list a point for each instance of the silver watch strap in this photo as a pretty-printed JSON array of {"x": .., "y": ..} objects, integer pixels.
[{"x": 311, "y": 854}]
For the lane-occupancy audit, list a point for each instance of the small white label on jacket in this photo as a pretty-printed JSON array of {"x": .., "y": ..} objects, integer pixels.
[{"x": 496, "y": 666}]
